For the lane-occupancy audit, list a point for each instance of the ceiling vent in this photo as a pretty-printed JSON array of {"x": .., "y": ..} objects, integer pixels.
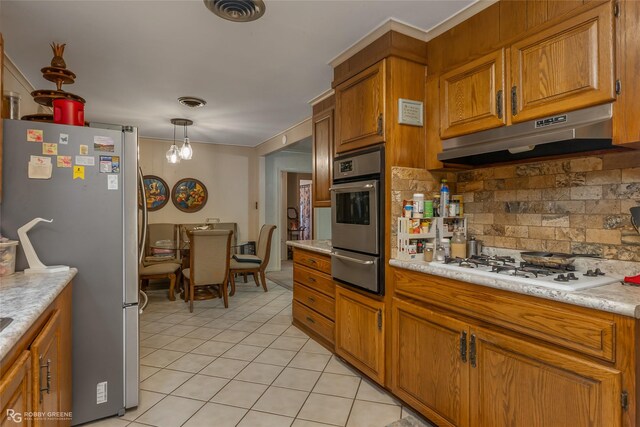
[
  {"x": 237, "y": 10},
  {"x": 192, "y": 101}
]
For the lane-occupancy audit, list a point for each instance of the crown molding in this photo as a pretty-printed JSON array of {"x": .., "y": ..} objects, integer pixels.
[
  {"x": 324, "y": 95},
  {"x": 410, "y": 30}
]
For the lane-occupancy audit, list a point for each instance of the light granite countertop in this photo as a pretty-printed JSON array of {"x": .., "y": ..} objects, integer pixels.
[
  {"x": 615, "y": 298},
  {"x": 320, "y": 246},
  {"x": 24, "y": 298}
]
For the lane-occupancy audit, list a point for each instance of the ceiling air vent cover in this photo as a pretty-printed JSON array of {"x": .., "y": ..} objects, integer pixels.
[
  {"x": 192, "y": 101},
  {"x": 237, "y": 10}
]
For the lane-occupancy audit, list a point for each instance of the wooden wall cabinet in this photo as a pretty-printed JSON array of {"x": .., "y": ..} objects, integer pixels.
[
  {"x": 472, "y": 96},
  {"x": 323, "y": 131},
  {"x": 461, "y": 359},
  {"x": 564, "y": 68},
  {"x": 360, "y": 109},
  {"x": 314, "y": 296},
  {"x": 35, "y": 375},
  {"x": 360, "y": 332}
]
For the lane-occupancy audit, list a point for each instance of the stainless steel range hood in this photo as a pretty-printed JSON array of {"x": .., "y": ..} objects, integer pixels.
[{"x": 578, "y": 131}]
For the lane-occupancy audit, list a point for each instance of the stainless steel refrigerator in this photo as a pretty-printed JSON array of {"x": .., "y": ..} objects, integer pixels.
[{"x": 95, "y": 214}]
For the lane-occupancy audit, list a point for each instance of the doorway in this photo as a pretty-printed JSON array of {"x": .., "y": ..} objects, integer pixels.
[{"x": 297, "y": 218}]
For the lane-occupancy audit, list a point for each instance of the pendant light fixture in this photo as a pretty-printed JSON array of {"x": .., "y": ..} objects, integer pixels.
[
  {"x": 175, "y": 154},
  {"x": 186, "y": 151}
]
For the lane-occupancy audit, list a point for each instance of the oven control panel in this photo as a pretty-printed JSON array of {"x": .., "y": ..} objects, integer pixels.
[{"x": 358, "y": 165}]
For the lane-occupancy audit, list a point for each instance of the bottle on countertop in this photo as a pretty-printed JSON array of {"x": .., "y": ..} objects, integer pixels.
[
  {"x": 458, "y": 245},
  {"x": 444, "y": 198},
  {"x": 446, "y": 246},
  {"x": 418, "y": 205}
]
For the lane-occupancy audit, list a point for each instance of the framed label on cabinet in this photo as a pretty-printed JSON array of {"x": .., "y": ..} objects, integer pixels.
[{"x": 410, "y": 112}]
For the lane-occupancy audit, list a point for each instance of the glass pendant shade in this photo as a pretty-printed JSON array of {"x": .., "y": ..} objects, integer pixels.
[
  {"x": 186, "y": 151},
  {"x": 173, "y": 155}
]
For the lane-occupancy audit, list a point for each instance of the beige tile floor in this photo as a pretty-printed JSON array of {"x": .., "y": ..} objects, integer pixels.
[{"x": 245, "y": 366}]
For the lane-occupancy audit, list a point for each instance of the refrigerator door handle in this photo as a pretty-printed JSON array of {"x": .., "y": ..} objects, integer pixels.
[{"x": 143, "y": 234}]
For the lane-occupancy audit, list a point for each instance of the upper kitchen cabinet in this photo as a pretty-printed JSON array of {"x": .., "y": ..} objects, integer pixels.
[
  {"x": 369, "y": 86},
  {"x": 323, "y": 141},
  {"x": 472, "y": 96},
  {"x": 564, "y": 68},
  {"x": 360, "y": 109},
  {"x": 626, "y": 109}
]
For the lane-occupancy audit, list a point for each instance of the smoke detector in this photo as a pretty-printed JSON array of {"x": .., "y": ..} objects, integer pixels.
[
  {"x": 192, "y": 101},
  {"x": 236, "y": 10}
]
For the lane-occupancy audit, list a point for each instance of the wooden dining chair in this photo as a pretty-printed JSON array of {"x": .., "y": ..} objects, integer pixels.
[
  {"x": 210, "y": 251},
  {"x": 161, "y": 270},
  {"x": 254, "y": 264}
]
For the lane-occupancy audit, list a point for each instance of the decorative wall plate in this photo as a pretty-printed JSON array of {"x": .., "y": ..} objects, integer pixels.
[
  {"x": 156, "y": 191},
  {"x": 189, "y": 195}
]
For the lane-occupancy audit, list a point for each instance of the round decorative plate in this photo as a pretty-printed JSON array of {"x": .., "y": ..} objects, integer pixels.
[
  {"x": 189, "y": 195},
  {"x": 156, "y": 192}
]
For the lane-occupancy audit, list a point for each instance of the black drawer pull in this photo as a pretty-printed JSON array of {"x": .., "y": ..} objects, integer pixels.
[
  {"x": 311, "y": 279},
  {"x": 310, "y": 320},
  {"x": 311, "y": 299}
]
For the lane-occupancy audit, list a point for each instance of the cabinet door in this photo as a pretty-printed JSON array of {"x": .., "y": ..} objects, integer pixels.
[
  {"x": 515, "y": 383},
  {"x": 564, "y": 68},
  {"x": 46, "y": 360},
  {"x": 15, "y": 396},
  {"x": 322, "y": 157},
  {"x": 472, "y": 96},
  {"x": 360, "y": 332},
  {"x": 360, "y": 109},
  {"x": 430, "y": 363}
]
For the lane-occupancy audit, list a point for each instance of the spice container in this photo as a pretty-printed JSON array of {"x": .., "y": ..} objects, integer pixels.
[
  {"x": 407, "y": 209},
  {"x": 459, "y": 200},
  {"x": 428, "y": 208},
  {"x": 418, "y": 205},
  {"x": 440, "y": 254},
  {"x": 428, "y": 254},
  {"x": 458, "y": 245}
]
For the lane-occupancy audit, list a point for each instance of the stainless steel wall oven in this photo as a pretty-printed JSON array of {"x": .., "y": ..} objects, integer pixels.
[{"x": 357, "y": 220}]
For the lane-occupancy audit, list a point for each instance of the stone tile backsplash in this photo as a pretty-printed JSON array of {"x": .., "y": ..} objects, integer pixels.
[{"x": 578, "y": 205}]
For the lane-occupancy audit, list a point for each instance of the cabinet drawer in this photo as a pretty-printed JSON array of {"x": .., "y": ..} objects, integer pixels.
[
  {"x": 314, "y": 280},
  {"x": 315, "y": 300},
  {"x": 313, "y": 260},
  {"x": 586, "y": 331},
  {"x": 314, "y": 321}
]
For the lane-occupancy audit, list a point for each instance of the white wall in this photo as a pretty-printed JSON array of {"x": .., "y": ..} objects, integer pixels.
[
  {"x": 230, "y": 174},
  {"x": 275, "y": 163}
]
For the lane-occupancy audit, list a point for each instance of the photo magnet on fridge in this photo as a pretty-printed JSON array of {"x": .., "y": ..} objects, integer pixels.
[
  {"x": 34, "y": 135},
  {"x": 50, "y": 148},
  {"x": 103, "y": 143},
  {"x": 78, "y": 172},
  {"x": 105, "y": 164},
  {"x": 84, "y": 150},
  {"x": 64, "y": 161},
  {"x": 64, "y": 139}
]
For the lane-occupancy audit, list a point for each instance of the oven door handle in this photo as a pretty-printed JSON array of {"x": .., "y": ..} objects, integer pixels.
[
  {"x": 352, "y": 187},
  {"x": 348, "y": 258}
]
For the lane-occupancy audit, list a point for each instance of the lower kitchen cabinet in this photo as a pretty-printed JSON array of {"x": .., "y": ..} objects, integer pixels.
[
  {"x": 35, "y": 375},
  {"x": 360, "y": 332},
  {"x": 46, "y": 366},
  {"x": 313, "y": 305},
  {"x": 429, "y": 360},
  {"x": 458, "y": 373},
  {"x": 15, "y": 391},
  {"x": 517, "y": 383}
]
